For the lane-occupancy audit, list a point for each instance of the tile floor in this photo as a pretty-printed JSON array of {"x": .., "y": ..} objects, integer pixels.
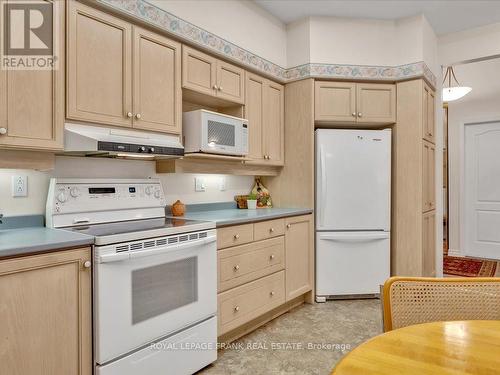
[{"x": 339, "y": 324}]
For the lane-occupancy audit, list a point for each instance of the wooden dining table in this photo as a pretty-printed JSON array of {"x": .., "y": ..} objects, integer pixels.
[{"x": 460, "y": 347}]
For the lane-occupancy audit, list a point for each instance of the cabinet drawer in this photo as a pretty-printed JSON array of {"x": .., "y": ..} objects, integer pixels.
[
  {"x": 269, "y": 229},
  {"x": 244, "y": 303},
  {"x": 235, "y": 235},
  {"x": 241, "y": 264}
]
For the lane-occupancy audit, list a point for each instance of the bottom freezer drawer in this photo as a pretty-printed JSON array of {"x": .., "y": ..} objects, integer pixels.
[
  {"x": 349, "y": 263},
  {"x": 181, "y": 354}
]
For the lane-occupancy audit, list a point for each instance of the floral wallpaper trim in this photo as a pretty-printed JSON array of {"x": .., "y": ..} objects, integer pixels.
[{"x": 189, "y": 32}]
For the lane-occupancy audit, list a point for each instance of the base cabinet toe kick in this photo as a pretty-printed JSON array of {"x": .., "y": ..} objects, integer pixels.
[{"x": 264, "y": 269}]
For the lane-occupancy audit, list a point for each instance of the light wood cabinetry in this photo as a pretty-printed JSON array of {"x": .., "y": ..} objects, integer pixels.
[
  {"x": 46, "y": 314},
  {"x": 414, "y": 184},
  {"x": 428, "y": 102},
  {"x": 354, "y": 103},
  {"x": 32, "y": 101},
  {"x": 121, "y": 75},
  {"x": 274, "y": 267},
  {"x": 299, "y": 245},
  {"x": 265, "y": 111},
  {"x": 208, "y": 75}
]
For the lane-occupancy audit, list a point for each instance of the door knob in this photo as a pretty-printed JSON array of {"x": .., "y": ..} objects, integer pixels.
[
  {"x": 220, "y": 88},
  {"x": 214, "y": 87},
  {"x": 271, "y": 230},
  {"x": 87, "y": 264},
  {"x": 271, "y": 257},
  {"x": 271, "y": 294},
  {"x": 129, "y": 114},
  {"x": 236, "y": 236},
  {"x": 237, "y": 308},
  {"x": 360, "y": 114},
  {"x": 236, "y": 268},
  {"x": 138, "y": 116},
  {"x": 353, "y": 114},
  {"x": 288, "y": 226},
  {"x": 3, "y": 131}
]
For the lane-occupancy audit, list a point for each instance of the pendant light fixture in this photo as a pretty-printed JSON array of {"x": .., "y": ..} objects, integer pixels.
[{"x": 456, "y": 91}]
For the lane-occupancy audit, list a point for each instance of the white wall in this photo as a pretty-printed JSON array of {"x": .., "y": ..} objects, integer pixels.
[
  {"x": 176, "y": 186},
  {"x": 241, "y": 22}
]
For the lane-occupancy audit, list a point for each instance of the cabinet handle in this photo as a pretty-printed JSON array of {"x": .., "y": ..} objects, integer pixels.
[
  {"x": 87, "y": 264},
  {"x": 236, "y": 308},
  {"x": 129, "y": 114},
  {"x": 360, "y": 114},
  {"x": 215, "y": 87},
  {"x": 353, "y": 114},
  {"x": 271, "y": 230},
  {"x": 236, "y": 236},
  {"x": 271, "y": 257},
  {"x": 138, "y": 116},
  {"x": 220, "y": 88},
  {"x": 271, "y": 293},
  {"x": 288, "y": 226},
  {"x": 3, "y": 131},
  {"x": 236, "y": 268}
]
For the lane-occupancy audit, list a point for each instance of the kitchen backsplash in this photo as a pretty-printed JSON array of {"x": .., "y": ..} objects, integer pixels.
[{"x": 176, "y": 186}]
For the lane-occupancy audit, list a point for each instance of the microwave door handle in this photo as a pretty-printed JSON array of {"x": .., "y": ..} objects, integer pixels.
[{"x": 167, "y": 249}]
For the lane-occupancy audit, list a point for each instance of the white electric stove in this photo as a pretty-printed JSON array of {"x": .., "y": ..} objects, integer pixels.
[{"x": 155, "y": 279}]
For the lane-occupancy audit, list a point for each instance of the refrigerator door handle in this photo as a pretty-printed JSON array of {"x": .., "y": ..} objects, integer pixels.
[
  {"x": 322, "y": 201},
  {"x": 354, "y": 237}
]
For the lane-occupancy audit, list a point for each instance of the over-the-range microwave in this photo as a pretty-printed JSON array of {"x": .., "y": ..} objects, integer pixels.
[{"x": 216, "y": 133}]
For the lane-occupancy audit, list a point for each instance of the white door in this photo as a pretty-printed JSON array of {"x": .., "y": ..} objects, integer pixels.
[
  {"x": 353, "y": 179},
  {"x": 350, "y": 263},
  {"x": 481, "y": 211}
]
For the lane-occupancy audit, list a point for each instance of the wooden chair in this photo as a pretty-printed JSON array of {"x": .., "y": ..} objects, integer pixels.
[{"x": 413, "y": 300}]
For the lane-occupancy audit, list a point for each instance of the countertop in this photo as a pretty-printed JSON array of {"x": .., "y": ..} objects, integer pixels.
[
  {"x": 33, "y": 239},
  {"x": 224, "y": 216}
]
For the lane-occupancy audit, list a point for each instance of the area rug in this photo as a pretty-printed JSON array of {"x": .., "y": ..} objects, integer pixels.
[{"x": 468, "y": 267}]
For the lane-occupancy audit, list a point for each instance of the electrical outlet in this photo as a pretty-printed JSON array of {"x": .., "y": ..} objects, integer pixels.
[
  {"x": 20, "y": 186},
  {"x": 199, "y": 184},
  {"x": 222, "y": 184}
]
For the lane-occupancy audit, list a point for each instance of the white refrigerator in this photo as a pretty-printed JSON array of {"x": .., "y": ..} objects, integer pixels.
[{"x": 353, "y": 211}]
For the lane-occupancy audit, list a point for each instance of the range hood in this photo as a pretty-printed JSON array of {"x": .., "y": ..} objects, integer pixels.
[{"x": 87, "y": 140}]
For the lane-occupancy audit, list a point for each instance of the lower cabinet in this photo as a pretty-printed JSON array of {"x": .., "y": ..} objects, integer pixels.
[
  {"x": 429, "y": 244},
  {"x": 45, "y": 314},
  {"x": 275, "y": 266}
]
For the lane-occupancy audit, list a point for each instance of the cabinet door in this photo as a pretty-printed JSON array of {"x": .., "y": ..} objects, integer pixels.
[
  {"x": 274, "y": 123},
  {"x": 299, "y": 255},
  {"x": 335, "y": 102},
  {"x": 376, "y": 103},
  {"x": 46, "y": 314},
  {"x": 32, "y": 101},
  {"x": 99, "y": 67},
  {"x": 198, "y": 71},
  {"x": 429, "y": 244},
  {"x": 157, "y": 82},
  {"x": 230, "y": 82},
  {"x": 428, "y": 115},
  {"x": 428, "y": 178},
  {"x": 254, "y": 113}
]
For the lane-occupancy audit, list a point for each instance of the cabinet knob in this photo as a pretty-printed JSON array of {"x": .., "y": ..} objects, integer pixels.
[
  {"x": 129, "y": 114},
  {"x": 236, "y": 308},
  {"x": 353, "y": 114},
  {"x": 288, "y": 226},
  {"x": 138, "y": 116},
  {"x": 215, "y": 87},
  {"x": 236, "y": 268},
  {"x": 87, "y": 264},
  {"x": 3, "y": 131},
  {"x": 271, "y": 293},
  {"x": 271, "y": 230},
  {"x": 360, "y": 114},
  {"x": 236, "y": 236},
  {"x": 220, "y": 88},
  {"x": 271, "y": 257}
]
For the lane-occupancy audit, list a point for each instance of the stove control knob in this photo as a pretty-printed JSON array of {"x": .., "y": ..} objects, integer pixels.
[
  {"x": 149, "y": 190},
  {"x": 157, "y": 194},
  {"x": 74, "y": 192},
  {"x": 151, "y": 150},
  {"x": 61, "y": 197},
  {"x": 141, "y": 149}
]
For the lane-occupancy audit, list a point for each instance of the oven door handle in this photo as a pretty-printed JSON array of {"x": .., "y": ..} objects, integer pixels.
[{"x": 116, "y": 257}]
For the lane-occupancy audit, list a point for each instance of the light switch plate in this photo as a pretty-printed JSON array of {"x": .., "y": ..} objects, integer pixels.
[
  {"x": 20, "y": 186},
  {"x": 222, "y": 184},
  {"x": 199, "y": 184}
]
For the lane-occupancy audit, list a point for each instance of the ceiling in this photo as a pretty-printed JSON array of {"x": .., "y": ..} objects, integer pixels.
[{"x": 444, "y": 16}]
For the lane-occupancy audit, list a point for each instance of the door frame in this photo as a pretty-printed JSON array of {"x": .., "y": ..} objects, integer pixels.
[{"x": 468, "y": 121}]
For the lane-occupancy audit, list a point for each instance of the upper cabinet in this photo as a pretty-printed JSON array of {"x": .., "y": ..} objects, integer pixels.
[
  {"x": 428, "y": 115},
  {"x": 121, "y": 75},
  {"x": 205, "y": 74},
  {"x": 265, "y": 110},
  {"x": 32, "y": 101},
  {"x": 349, "y": 103}
]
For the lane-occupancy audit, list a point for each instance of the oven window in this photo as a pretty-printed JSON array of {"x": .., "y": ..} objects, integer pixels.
[
  {"x": 159, "y": 289},
  {"x": 220, "y": 133}
]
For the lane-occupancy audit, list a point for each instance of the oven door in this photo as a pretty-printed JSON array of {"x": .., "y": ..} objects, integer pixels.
[{"x": 143, "y": 295}]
